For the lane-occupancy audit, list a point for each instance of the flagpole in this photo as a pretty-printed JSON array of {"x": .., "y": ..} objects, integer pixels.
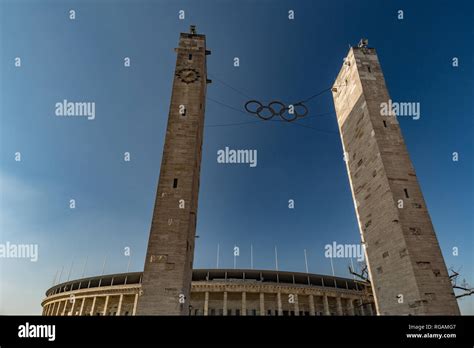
[
  {"x": 332, "y": 267},
  {"x": 84, "y": 268},
  {"x": 251, "y": 256},
  {"x": 103, "y": 265},
  {"x": 70, "y": 269},
  {"x": 55, "y": 275},
  {"x": 353, "y": 270},
  {"x": 306, "y": 261},
  {"x": 129, "y": 261},
  {"x": 276, "y": 258},
  {"x": 60, "y": 274}
]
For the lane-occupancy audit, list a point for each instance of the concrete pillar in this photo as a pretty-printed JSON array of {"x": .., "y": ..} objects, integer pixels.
[
  {"x": 350, "y": 306},
  {"x": 297, "y": 305},
  {"x": 71, "y": 312},
  {"x": 361, "y": 306},
  {"x": 135, "y": 305},
  {"x": 369, "y": 309},
  {"x": 225, "y": 303},
  {"x": 105, "y": 305},
  {"x": 59, "y": 306},
  {"x": 262, "y": 303},
  {"x": 339, "y": 305},
  {"x": 93, "y": 305},
  {"x": 244, "y": 303},
  {"x": 311, "y": 305},
  {"x": 326, "y": 305},
  {"x": 64, "y": 308},
  {"x": 206, "y": 303},
  {"x": 280, "y": 309},
  {"x": 82, "y": 306},
  {"x": 119, "y": 308}
]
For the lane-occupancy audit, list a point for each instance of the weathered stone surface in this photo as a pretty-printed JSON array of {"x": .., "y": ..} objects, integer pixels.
[
  {"x": 169, "y": 258},
  {"x": 403, "y": 254}
]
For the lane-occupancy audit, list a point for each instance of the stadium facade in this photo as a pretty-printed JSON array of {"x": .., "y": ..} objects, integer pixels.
[{"x": 219, "y": 292}]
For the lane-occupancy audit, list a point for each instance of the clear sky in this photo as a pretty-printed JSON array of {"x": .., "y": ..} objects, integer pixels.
[{"x": 76, "y": 158}]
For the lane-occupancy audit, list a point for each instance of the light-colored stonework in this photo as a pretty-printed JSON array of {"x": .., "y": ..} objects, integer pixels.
[
  {"x": 405, "y": 263},
  {"x": 169, "y": 257},
  {"x": 219, "y": 292}
]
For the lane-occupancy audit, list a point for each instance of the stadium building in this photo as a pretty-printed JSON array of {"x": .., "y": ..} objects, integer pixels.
[{"x": 219, "y": 292}]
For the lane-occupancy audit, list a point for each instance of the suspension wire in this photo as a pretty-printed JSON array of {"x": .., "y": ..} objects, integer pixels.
[
  {"x": 257, "y": 121},
  {"x": 314, "y": 96},
  {"x": 214, "y": 77},
  {"x": 278, "y": 121},
  {"x": 247, "y": 96},
  {"x": 252, "y": 122},
  {"x": 225, "y": 105},
  {"x": 231, "y": 124}
]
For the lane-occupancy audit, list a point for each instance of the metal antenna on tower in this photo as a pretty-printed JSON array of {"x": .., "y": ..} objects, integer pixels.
[{"x": 217, "y": 262}]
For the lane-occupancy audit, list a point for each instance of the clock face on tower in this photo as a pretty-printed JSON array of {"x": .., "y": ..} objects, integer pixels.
[{"x": 188, "y": 75}]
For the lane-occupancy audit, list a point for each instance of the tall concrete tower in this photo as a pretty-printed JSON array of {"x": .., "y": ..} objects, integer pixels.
[
  {"x": 166, "y": 282},
  {"x": 404, "y": 259}
]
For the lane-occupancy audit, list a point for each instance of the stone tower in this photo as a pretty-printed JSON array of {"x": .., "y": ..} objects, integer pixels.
[
  {"x": 405, "y": 263},
  {"x": 166, "y": 282}
]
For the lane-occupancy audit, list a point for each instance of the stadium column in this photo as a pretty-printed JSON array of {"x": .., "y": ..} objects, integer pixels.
[
  {"x": 119, "y": 309},
  {"x": 64, "y": 308},
  {"x": 105, "y": 305},
  {"x": 339, "y": 305},
  {"x": 244, "y": 303},
  {"x": 72, "y": 306},
  {"x": 135, "y": 302},
  {"x": 224, "y": 310},
  {"x": 206, "y": 303},
  {"x": 262, "y": 304},
  {"x": 93, "y": 305},
  {"x": 297, "y": 306},
  {"x": 404, "y": 260},
  {"x": 326, "y": 305},
  {"x": 311, "y": 305},
  {"x": 166, "y": 282},
  {"x": 361, "y": 306},
  {"x": 280, "y": 308},
  {"x": 82, "y": 306},
  {"x": 350, "y": 306}
]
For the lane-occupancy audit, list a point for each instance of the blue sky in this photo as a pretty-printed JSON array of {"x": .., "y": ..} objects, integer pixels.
[{"x": 73, "y": 158}]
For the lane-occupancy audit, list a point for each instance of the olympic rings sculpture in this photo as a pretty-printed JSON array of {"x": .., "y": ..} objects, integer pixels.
[{"x": 266, "y": 112}]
